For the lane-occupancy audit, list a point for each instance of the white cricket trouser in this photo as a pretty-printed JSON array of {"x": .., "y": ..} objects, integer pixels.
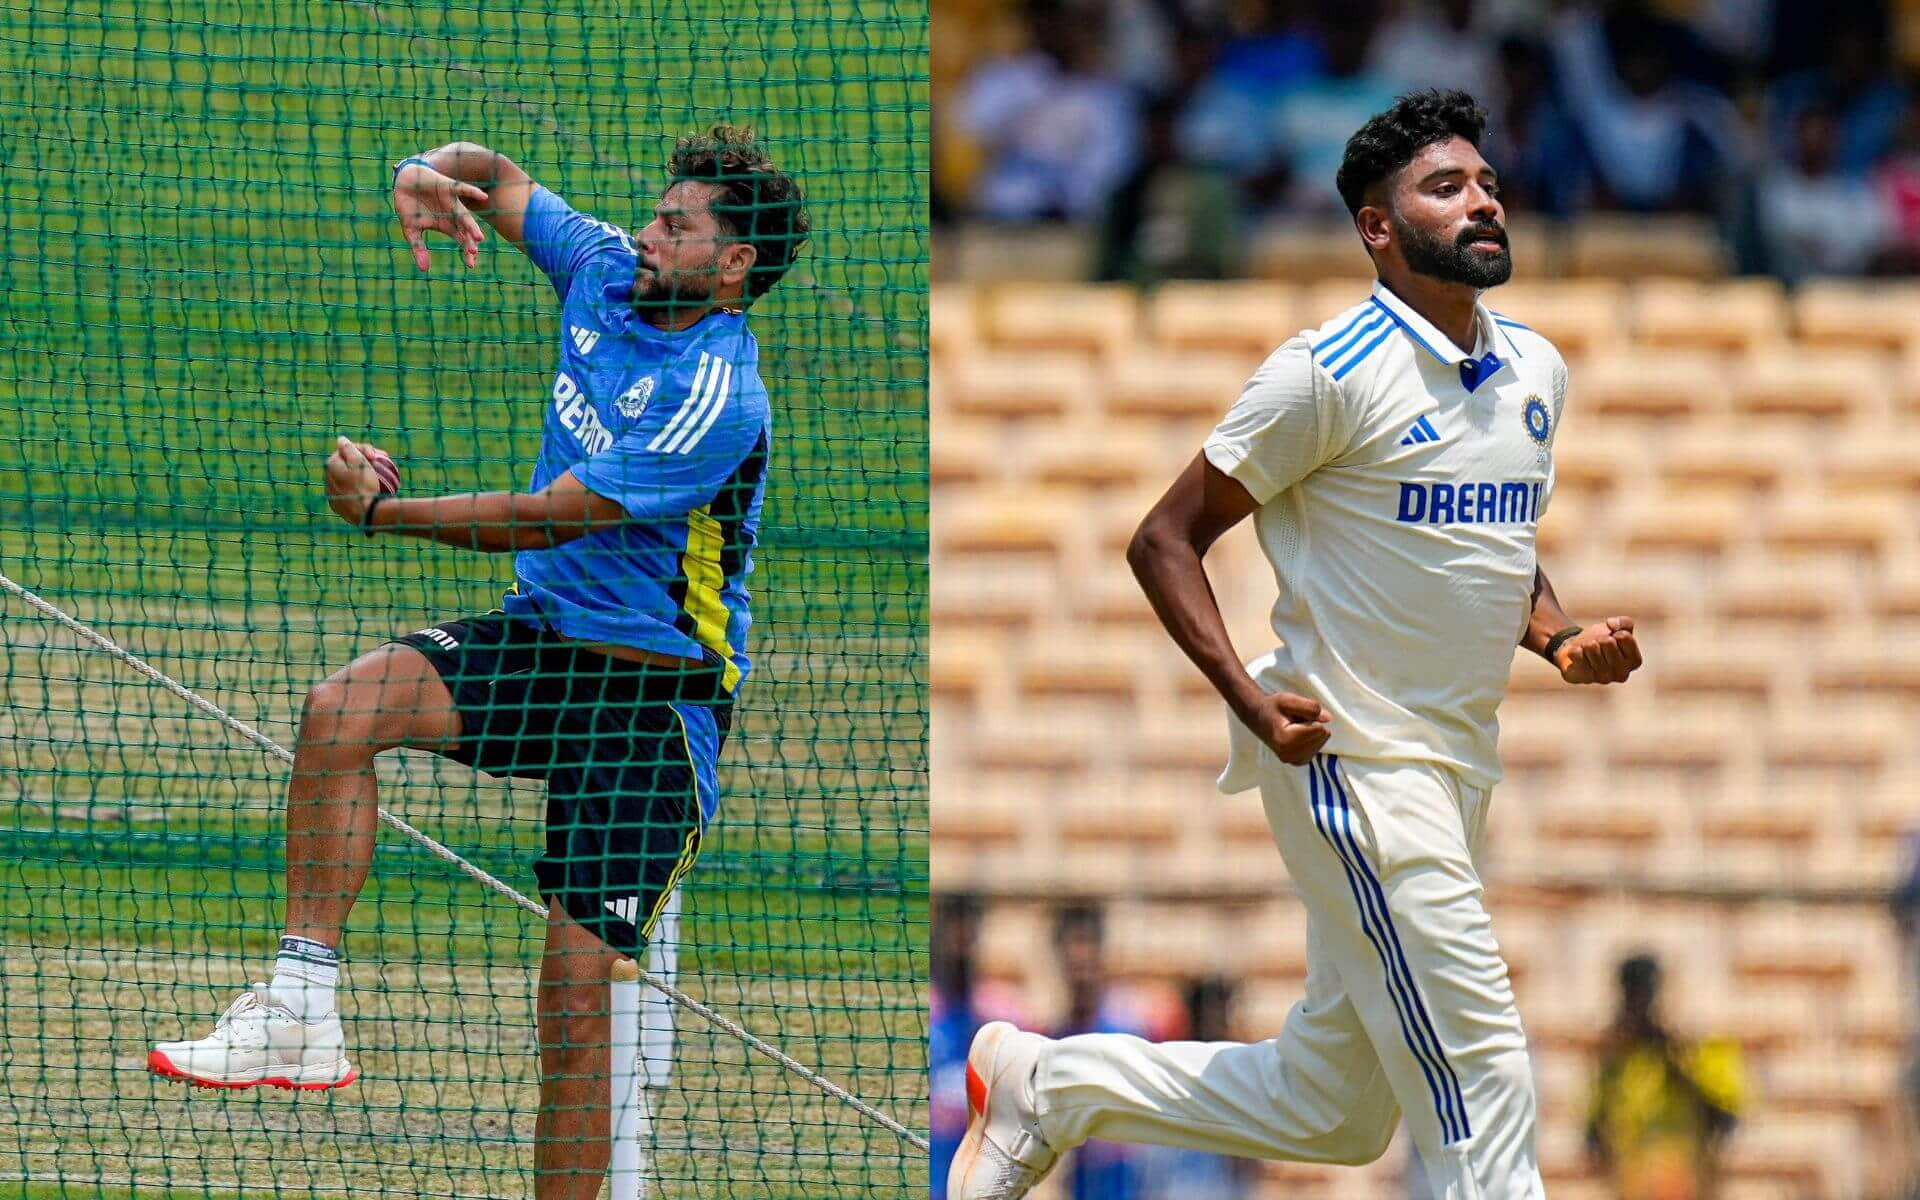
[{"x": 1408, "y": 1006}]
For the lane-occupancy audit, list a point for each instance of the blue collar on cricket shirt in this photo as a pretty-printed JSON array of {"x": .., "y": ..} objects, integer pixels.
[{"x": 1473, "y": 371}]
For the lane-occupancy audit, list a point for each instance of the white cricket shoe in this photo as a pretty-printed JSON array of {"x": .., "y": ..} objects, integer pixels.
[
  {"x": 259, "y": 1041},
  {"x": 1003, "y": 1154}
]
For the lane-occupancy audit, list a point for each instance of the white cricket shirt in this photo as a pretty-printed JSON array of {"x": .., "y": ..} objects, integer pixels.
[{"x": 1400, "y": 481}]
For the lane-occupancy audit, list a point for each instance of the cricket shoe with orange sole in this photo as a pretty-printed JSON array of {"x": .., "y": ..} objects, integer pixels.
[
  {"x": 259, "y": 1042},
  {"x": 1003, "y": 1154}
]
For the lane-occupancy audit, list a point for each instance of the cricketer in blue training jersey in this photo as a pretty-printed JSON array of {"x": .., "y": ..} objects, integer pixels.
[
  {"x": 611, "y": 668},
  {"x": 674, "y": 426}
]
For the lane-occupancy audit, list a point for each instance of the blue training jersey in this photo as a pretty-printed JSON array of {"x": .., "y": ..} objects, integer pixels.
[{"x": 673, "y": 426}]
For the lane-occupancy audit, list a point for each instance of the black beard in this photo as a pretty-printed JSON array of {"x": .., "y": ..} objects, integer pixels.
[
  {"x": 656, "y": 296},
  {"x": 1453, "y": 262}
]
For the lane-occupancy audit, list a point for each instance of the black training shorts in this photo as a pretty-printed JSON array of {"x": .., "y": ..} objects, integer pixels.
[{"x": 629, "y": 751}]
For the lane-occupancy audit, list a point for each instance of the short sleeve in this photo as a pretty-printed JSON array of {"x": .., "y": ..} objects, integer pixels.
[
  {"x": 679, "y": 456},
  {"x": 1287, "y": 423},
  {"x": 1559, "y": 389},
  {"x": 562, "y": 241}
]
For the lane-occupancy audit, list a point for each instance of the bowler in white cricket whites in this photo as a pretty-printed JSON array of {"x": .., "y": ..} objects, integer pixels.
[{"x": 1396, "y": 462}]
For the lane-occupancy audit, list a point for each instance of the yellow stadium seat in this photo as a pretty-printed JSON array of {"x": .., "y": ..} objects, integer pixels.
[
  {"x": 1096, "y": 319},
  {"x": 1856, "y": 668},
  {"x": 1872, "y": 458},
  {"x": 1774, "y": 943},
  {"x": 1058, "y": 738},
  {"x": 1097, "y": 817},
  {"x": 1195, "y": 740},
  {"x": 953, "y": 322},
  {"x": 1894, "y": 593},
  {"x": 1827, "y": 384},
  {"x": 1247, "y": 319},
  {"x": 1759, "y": 814},
  {"x": 979, "y": 813},
  {"x": 1096, "y": 456},
  {"x": 1862, "y": 734},
  {"x": 1626, "y": 246},
  {"x": 1063, "y": 661},
  {"x": 1579, "y": 316},
  {"x": 1306, "y": 249},
  {"x": 1625, "y": 820},
  {"x": 1660, "y": 523},
  {"x": 1759, "y": 590},
  {"x": 1150, "y": 383},
  {"x": 1666, "y": 385},
  {"x": 1730, "y": 668},
  {"x": 962, "y": 661},
  {"x": 1683, "y": 733},
  {"x": 1859, "y": 524},
  {"x": 1027, "y": 520},
  {"x": 1903, "y": 376},
  {"x": 1110, "y": 596},
  {"x": 1716, "y": 455},
  {"x": 989, "y": 589},
  {"x": 961, "y": 452},
  {"x": 1018, "y": 386},
  {"x": 1538, "y": 737},
  {"x": 1877, "y": 315},
  {"x": 1725, "y": 315}
]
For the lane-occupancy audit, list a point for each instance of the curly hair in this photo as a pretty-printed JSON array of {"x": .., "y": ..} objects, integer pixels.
[
  {"x": 757, "y": 202},
  {"x": 1389, "y": 140}
]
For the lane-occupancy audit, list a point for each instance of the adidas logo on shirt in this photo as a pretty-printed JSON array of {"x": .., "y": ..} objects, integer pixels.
[
  {"x": 627, "y": 909},
  {"x": 1421, "y": 433},
  {"x": 584, "y": 339}
]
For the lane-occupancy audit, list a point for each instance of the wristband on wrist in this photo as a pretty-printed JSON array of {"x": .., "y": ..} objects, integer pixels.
[
  {"x": 411, "y": 158},
  {"x": 366, "y": 517},
  {"x": 1552, "y": 649}
]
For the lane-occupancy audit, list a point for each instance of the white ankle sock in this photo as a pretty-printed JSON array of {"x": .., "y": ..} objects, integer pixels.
[{"x": 305, "y": 977}]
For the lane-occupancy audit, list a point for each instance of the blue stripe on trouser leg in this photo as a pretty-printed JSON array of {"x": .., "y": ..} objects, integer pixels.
[
  {"x": 1322, "y": 792},
  {"x": 1453, "y": 1099}
]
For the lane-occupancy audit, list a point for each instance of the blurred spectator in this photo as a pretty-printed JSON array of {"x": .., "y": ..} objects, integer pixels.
[
  {"x": 1660, "y": 1108},
  {"x": 1227, "y": 122},
  {"x": 958, "y": 1007},
  {"x": 1855, "y": 83},
  {"x": 1815, "y": 219},
  {"x": 1097, "y": 1170},
  {"x": 1171, "y": 219},
  {"x": 1172, "y": 1173},
  {"x": 1897, "y": 184},
  {"x": 1658, "y": 140},
  {"x": 1313, "y": 121},
  {"x": 1056, "y": 132},
  {"x": 1433, "y": 44},
  {"x": 1531, "y": 142}
]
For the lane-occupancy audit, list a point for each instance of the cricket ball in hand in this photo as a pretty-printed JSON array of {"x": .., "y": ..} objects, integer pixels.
[{"x": 383, "y": 468}]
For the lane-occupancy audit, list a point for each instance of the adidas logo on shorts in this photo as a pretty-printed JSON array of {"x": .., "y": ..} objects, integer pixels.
[{"x": 441, "y": 638}]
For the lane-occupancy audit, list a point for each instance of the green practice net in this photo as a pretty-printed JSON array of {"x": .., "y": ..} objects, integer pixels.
[{"x": 205, "y": 284}]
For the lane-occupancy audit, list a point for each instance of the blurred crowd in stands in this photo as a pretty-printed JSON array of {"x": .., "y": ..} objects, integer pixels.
[{"x": 1171, "y": 127}]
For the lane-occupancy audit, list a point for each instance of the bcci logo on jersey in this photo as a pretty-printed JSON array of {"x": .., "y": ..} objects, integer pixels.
[
  {"x": 1539, "y": 425},
  {"x": 633, "y": 401}
]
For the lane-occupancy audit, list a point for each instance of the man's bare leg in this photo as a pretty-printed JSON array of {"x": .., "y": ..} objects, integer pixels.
[
  {"x": 389, "y": 697},
  {"x": 571, "y": 1134}
]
